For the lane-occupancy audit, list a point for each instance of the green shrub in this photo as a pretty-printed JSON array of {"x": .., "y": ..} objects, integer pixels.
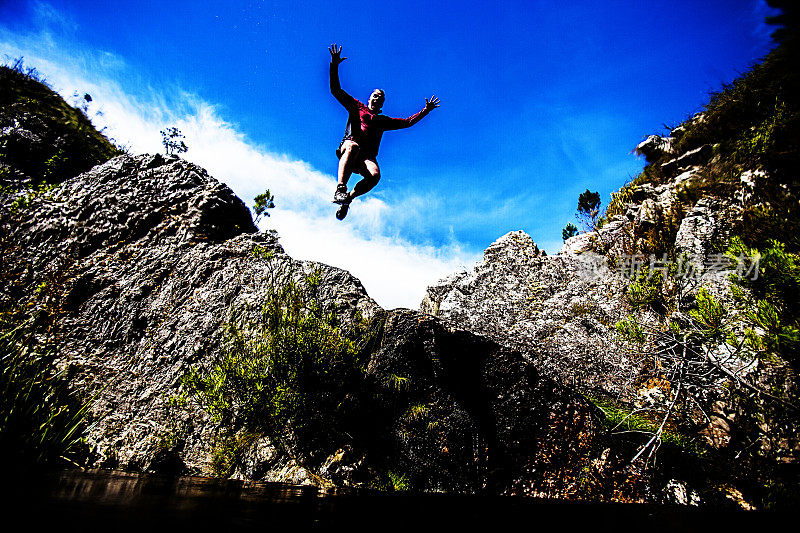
[
  {"x": 756, "y": 143},
  {"x": 622, "y": 419},
  {"x": 390, "y": 481},
  {"x": 399, "y": 481},
  {"x": 772, "y": 304},
  {"x": 283, "y": 372},
  {"x": 175, "y": 428},
  {"x": 645, "y": 290},
  {"x": 26, "y": 196},
  {"x": 709, "y": 316},
  {"x": 618, "y": 203},
  {"x": 706, "y": 350},
  {"x": 630, "y": 329},
  {"x": 570, "y": 230},
  {"x": 228, "y": 450},
  {"x": 760, "y": 223}
]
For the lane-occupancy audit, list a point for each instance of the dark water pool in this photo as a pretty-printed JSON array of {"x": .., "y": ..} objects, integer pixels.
[{"x": 111, "y": 500}]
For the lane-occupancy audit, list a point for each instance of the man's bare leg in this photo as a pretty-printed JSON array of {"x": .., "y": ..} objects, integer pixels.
[
  {"x": 371, "y": 178},
  {"x": 347, "y": 161}
]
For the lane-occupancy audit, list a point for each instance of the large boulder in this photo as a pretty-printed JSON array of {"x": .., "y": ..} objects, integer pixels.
[
  {"x": 148, "y": 257},
  {"x": 475, "y": 415},
  {"x": 557, "y": 310}
]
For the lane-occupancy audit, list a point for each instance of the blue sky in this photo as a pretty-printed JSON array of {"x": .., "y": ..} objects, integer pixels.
[{"x": 540, "y": 101}]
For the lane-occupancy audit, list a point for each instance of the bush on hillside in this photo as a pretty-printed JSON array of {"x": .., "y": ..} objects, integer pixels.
[{"x": 283, "y": 373}]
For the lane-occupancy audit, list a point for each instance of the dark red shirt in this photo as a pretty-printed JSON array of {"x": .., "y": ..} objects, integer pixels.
[{"x": 363, "y": 126}]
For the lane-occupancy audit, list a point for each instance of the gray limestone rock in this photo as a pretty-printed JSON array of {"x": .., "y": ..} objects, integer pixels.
[
  {"x": 654, "y": 147},
  {"x": 156, "y": 255},
  {"x": 559, "y": 310},
  {"x": 647, "y": 215},
  {"x": 705, "y": 227},
  {"x": 152, "y": 256}
]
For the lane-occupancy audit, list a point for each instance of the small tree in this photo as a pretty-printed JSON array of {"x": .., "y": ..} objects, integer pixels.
[
  {"x": 570, "y": 230},
  {"x": 588, "y": 209},
  {"x": 171, "y": 139},
  {"x": 264, "y": 201}
]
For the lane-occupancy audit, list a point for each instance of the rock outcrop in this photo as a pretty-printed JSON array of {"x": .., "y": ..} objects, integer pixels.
[
  {"x": 555, "y": 309},
  {"x": 643, "y": 309},
  {"x": 504, "y": 382},
  {"x": 149, "y": 256}
]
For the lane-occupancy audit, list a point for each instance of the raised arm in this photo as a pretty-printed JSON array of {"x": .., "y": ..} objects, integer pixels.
[
  {"x": 336, "y": 89},
  {"x": 400, "y": 123}
]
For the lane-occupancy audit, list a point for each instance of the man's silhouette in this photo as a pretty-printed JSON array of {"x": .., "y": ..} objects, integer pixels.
[{"x": 365, "y": 126}]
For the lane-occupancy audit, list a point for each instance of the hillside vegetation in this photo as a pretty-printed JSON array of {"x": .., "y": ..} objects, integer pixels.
[
  {"x": 676, "y": 312},
  {"x": 138, "y": 290},
  {"x": 722, "y": 189},
  {"x": 43, "y": 139}
]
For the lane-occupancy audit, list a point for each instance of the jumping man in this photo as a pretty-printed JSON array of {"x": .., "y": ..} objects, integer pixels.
[{"x": 365, "y": 126}]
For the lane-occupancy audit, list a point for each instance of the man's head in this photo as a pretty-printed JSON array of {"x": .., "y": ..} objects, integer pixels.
[{"x": 376, "y": 99}]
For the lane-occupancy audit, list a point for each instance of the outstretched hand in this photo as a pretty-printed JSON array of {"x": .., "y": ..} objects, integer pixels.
[
  {"x": 431, "y": 103},
  {"x": 335, "y": 51}
]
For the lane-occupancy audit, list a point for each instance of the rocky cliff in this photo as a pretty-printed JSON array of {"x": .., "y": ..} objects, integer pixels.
[
  {"x": 141, "y": 263},
  {"x": 677, "y": 306}
]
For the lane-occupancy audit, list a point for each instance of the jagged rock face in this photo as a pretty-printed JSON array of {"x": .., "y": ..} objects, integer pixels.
[
  {"x": 704, "y": 225},
  {"x": 558, "y": 310},
  {"x": 156, "y": 254},
  {"x": 561, "y": 311},
  {"x": 152, "y": 255},
  {"x": 149, "y": 199},
  {"x": 507, "y": 258}
]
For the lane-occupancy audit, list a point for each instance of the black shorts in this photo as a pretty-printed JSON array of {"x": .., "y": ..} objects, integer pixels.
[
  {"x": 339, "y": 149},
  {"x": 350, "y": 138}
]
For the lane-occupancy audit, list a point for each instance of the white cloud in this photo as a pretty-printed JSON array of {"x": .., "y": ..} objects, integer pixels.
[{"x": 394, "y": 271}]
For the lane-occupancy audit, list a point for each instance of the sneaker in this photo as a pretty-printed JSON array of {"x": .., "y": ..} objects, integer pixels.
[
  {"x": 340, "y": 196},
  {"x": 342, "y": 211}
]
